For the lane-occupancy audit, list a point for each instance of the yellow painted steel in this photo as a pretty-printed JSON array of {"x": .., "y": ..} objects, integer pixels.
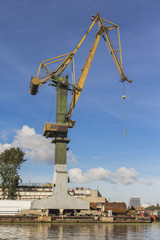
[
  {"x": 50, "y": 61},
  {"x": 65, "y": 64},
  {"x": 83, "y": 76},
  {"x": 109, "y": 22},
  {"x": 120, "y": 48},
  {"x": 46, "y": 69},
  {"x": 85, "y": 71},
  {"x": 56, "y": 57},
  {"x": 113, "y": 54},
  {"x": 65, "y": 59},
  {"x": 58, "y": 60}
]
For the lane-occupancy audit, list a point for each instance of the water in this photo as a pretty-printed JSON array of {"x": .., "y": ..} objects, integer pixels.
[{"x": 79, "y": 231}]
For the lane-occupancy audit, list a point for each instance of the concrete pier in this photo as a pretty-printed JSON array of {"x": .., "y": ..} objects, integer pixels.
[{"x": 60, "y": 198}]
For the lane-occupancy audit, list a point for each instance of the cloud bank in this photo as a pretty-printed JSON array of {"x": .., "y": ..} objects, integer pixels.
[
  {"x": 34, "y": 145},
  {"x": 38, "y": 148},
  {"x": 122, "y": 175}
]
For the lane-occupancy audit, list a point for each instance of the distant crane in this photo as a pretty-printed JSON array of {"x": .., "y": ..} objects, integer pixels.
[{"x": 58, "y": 131}]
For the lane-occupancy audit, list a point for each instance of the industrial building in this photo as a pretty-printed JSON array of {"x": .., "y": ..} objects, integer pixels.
[
  {"x": 91, "y": 196},
  {"x": 134, "y": 202},
  {"x": 30, "y": 192}
]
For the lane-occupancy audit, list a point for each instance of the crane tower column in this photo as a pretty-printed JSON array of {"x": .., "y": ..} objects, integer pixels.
[
  {"x": 61, "y": 112},
  {"x": 60, "y": 176},
  {"x": 60, "y": 198}
]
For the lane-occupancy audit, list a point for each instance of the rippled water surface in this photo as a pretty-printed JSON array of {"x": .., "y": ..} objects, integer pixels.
[{"x": 80, "y": 231}]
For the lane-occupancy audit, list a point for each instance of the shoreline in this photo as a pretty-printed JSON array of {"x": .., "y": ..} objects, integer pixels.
[{"x": 70, "y": 219}]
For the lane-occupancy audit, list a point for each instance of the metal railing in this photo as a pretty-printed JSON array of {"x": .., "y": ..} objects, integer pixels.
[{"x": 34, "y": 184}]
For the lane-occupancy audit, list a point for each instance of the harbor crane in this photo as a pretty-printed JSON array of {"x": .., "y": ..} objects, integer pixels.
[
  {"x": 58, "y": 131},
  {"x": 65, "y": 59}
]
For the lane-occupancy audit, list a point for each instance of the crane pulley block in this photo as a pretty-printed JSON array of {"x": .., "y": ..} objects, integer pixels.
[{"x": 53, "y": 129}]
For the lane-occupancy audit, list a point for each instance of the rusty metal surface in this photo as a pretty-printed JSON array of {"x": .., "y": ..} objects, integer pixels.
[{"x": 116, "y": 207}]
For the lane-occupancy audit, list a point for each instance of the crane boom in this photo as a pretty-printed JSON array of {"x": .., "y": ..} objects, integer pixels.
[
  {"x": 102, "y": 29},
  {"x": 61, "y": 70},
  {"x": 65, "y": 59},
  {"x": 114, "y": 56},
  {"x": 80, "y": 84}
]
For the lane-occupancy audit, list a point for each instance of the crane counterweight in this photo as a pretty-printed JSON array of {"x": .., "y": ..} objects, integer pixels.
[{"x": 34, "y": 85}]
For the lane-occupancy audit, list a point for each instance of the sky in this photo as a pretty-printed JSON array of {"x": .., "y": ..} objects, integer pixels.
[{"x": 99, "y": 156}]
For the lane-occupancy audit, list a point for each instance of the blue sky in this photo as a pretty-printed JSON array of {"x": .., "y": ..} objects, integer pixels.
[{"x": 99, "y": 156}]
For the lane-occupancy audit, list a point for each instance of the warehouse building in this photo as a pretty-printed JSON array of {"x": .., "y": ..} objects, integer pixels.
[{"x": 30, "y": 192}]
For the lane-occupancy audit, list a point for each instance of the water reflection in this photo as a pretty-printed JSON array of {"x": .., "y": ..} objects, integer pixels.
[{"x": 79, "y": 231}]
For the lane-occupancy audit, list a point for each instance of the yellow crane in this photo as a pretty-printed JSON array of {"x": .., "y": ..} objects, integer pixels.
[
  {"x": 65, "y": 59},
  {"x": 58, "y": 131}
]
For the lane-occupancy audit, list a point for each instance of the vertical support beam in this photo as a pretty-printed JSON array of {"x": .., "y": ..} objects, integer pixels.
[
  {"x": 61, "y": 112},
  {"x": 60, "y": 198}
]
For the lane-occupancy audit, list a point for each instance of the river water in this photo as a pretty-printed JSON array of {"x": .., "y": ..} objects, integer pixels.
[{"x": 80, "y": 231}]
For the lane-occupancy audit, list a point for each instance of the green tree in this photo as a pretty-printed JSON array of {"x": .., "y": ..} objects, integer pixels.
[{"x": 10, "y": 162}]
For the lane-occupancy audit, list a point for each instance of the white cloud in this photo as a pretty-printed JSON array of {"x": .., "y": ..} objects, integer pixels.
[
  {"x": 146, "y": 181},
  {"x": 71, "y": 158},
  {"x": 126, "y": 175},
  {"x": 98, "y": 174},
  {"x": 34, "y": 145},
  {"x": 4, "y": 134},
  {"x": 77, "y": 176},
  {"x": 122, "y": 175},
  {"x": 4, "y": 147},
  {"x": 37, "y": 147}
]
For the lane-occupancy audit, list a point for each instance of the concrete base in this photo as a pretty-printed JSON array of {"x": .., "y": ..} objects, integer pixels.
[
  {"x": 60, "y": 198},
  {"x": 60, "y": 201}
]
